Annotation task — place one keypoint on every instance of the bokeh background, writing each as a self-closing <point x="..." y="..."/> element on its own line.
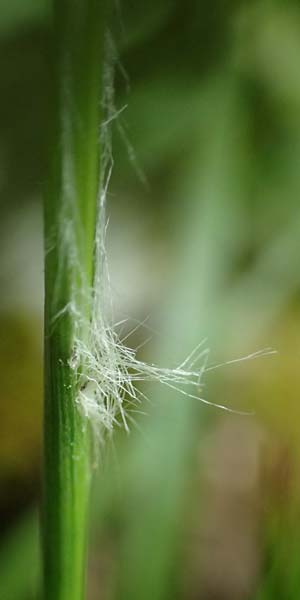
<point x="203" y="242"/>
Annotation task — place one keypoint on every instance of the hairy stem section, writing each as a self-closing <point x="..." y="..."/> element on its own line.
<point x="71" y="202"/>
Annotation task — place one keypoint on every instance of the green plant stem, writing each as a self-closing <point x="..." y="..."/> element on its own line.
<point x="70" y="221"/>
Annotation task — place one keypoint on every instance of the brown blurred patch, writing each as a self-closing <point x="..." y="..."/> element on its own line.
<point x="20" y="413"/>
<point x="223" y="556"/>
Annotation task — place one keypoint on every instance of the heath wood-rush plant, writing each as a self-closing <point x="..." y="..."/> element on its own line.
<point x="91" y="377"/>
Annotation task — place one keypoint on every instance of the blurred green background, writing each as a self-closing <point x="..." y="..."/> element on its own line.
<point x="203" y="242"/>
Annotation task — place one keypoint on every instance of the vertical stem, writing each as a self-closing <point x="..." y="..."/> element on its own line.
<point x="70" y="215"/>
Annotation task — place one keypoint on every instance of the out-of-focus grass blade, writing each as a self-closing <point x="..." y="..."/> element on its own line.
<point x="281" y="573"/>
<point x="20" y="561"/>
<point x="17" y="15"/>
<point x="162" y="458"/>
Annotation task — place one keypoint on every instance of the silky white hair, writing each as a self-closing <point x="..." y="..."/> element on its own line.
<point x="107" y="372"/>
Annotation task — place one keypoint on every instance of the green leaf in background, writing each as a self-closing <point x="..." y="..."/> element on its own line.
<point x="20" y="567"/>
<point x="19" y="15"/>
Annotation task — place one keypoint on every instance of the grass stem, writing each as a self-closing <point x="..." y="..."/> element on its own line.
<point x="71" y="202"/>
